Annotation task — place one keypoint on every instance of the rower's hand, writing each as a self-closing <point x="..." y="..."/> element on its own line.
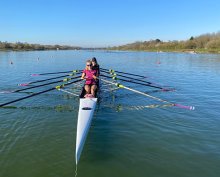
<point x="84" y="78"/>
<point x="94" y="77"/>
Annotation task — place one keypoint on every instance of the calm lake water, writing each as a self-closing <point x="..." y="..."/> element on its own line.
<point x="37" y="135"/>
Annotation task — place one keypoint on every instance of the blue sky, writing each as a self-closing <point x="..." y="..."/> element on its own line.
<point x="97" y="23"/>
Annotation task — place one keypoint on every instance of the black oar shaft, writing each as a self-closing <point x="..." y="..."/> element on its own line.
<point x="130" y="77"/>
<point x="55" y="73"/>
<point x="43" y="85"/>
<point x="60" y="72"/>
<point x="49" y="79"/>
<point x="19" y="99"/>
<point x="34" y="94"/>
<point x="134" y="82"/>
<point x="123" y="73"/>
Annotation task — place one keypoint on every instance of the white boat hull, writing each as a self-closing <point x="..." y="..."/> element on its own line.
<point x="86" y="111"/>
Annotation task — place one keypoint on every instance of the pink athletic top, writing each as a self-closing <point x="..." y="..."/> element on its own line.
<point x="89" y="79"/>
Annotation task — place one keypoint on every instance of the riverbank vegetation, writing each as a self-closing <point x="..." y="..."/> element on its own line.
<point x="25" y="46"/>
<point x="206" y="43"/>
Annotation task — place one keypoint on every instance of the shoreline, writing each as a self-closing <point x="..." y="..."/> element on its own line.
<point x="171" y="51"/>
<point x="109" y="50"/>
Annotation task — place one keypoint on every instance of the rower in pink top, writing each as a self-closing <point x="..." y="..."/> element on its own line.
<point x="91" y="79"/>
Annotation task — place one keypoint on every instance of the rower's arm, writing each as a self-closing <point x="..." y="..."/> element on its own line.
<point x="96" y="76"/>
<point x="83" y="75"/>
<point x="98" y="73"/>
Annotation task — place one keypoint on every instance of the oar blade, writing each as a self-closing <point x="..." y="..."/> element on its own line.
<point x="185" y="107"/>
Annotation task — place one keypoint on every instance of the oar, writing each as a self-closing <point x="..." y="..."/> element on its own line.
<point x="112" y="71"/>
<point x="64" y="80"/>
<point x="147" y="95"/>
<point x="74" y="71"/>
<point x="131" y="81"/>
<point x="26" y="84"/>
<point x="34" y="94"/>
<point x="115" y="75"/>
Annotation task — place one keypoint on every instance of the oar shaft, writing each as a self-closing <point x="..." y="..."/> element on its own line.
<point x="36" y="86"/>
<point x="142" y="93"/>
<point x="130" y="77"/>
<point x="155" y="98"/>
<point x="19" y="99"/>
<point x="158" y="99"/>
<point x="136" y="91"/>
<point x="131" y="81"/>
<point x="74" y="71"/>
<point x="55" y="73"/>
<point x="48" y="79"/>
<point x="34" y="94"/>
<point x="62" y="90"/>
<point x="38" y="81"/>
<point x="123" y="72"/>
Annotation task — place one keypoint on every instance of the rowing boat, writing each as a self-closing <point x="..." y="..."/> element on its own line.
<point x="86" y="111"/>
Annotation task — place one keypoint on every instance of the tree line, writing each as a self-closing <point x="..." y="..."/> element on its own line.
<point x="209" y="42"/>
<point x="26" y="46"/>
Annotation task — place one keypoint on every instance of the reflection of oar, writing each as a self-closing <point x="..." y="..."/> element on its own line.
<point x="112" y="71"/>
<point x="26" y="84"/>
<point x="64" y="80"/>
<point x="147" y="95"/>
<point x="55" y="73"/>
<point x="53" y="88"/>
<point x="133" y="81"/>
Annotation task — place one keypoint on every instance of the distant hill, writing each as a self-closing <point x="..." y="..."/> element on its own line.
<point x="25" y="46"/>
<point x="207" y="43"/>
